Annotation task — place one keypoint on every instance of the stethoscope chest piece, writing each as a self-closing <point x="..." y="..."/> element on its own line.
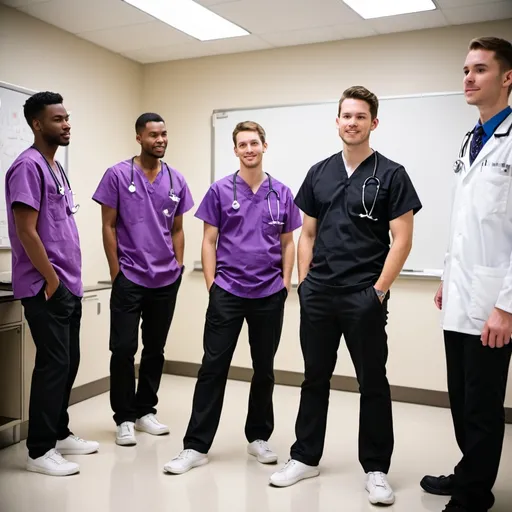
<point x="235" y="205"/>
<point x="61" y="191"/>
<point x="132" y="188"/>
<point x="458" y="166"/>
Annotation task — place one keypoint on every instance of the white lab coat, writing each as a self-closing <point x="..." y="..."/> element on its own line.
<point x="478" y="265"/>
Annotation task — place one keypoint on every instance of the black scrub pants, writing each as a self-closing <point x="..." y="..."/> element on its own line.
<point x="477" y="382"/>
<point x="361" y="318"/>
<point x="129" y="302"/>
<point x="224" y="319"/>
<point x="55" y="328"/>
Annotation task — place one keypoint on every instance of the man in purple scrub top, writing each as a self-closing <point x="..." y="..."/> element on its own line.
<point x="142" y="202"/>
<point x="46" y="276"/>
<point x="248" y="255"/>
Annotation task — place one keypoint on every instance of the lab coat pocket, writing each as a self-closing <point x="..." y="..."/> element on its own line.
<point x="493" y="193"/>
<point x="485" y="288"/>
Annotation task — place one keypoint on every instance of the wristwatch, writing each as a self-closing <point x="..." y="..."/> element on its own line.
<point x="380" y="294"/>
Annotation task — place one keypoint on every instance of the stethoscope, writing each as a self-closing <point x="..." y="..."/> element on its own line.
<point x="459" y="164"/>
<point x="61" y="189"/>
<point x="236" y="205"/>
<point x="172" y="196"/>
<point x="373" y="178"/>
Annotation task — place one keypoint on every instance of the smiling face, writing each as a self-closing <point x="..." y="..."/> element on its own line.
<point x="485" y="82"/>
<point x="355" y="122"/>
<point x="153" y="139"/>
<point x="249" y="149"/>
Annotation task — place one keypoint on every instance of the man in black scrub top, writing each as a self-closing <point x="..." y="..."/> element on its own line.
<point x="351" y="201"/>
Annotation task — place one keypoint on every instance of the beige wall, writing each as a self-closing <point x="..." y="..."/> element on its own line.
<point x="103" y="92"/>
<point x="186" y="93"/>
<point x="106" y="92"/>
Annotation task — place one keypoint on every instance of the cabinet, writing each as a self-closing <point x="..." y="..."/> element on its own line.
<point x="11" y="358"/>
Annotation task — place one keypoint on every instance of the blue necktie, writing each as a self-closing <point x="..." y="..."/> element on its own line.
<point x="476" y="143"/>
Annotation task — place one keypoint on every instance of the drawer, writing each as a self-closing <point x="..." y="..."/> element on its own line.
<point x="10" y="312"/>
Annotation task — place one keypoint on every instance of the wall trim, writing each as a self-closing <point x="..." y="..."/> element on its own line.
<point x="404" y="394"/>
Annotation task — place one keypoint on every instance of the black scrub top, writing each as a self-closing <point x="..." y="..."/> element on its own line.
<point x="350" y="251"/>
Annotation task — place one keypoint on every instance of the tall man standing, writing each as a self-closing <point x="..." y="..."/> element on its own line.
<point x="351" y="201"/>
<point x="143" y="201"/>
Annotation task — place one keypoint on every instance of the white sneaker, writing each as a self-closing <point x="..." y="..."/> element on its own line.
<point x="185" y="461"/>
<point x="262" y="452"/>
<point x="380" y="491"/>
<point x="125" y="435"/>
<point x="151" y="425"/>
<point x="292" y="472"/>
<point x="52" y="463"/>
<point x="74" y="445"/>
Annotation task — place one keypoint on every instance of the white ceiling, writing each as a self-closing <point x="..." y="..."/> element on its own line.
<point x="123" y="29"/>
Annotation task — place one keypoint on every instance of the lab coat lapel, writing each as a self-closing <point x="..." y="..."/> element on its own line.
<point x="491" y="145"/>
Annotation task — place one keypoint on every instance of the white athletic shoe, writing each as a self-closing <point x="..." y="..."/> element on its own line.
<point x="74" y="445"/>
<point x="262" y="452"/>
<point x="125" y="435"/>
<point x="380" y="492"/>
<point x="151" y="425"/>
<point x="292" y="472"/>
<point x="185" y="461"/>
<point x="52" y="463"/>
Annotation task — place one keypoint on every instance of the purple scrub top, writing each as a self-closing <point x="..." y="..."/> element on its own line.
<point x="144" y="221"/>
<point x="30" y="181"/>
<point x="249" y="258"/>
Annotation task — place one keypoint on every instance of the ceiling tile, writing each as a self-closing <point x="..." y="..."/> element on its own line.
<point x="447" y="4"/>
<point x="198" y="49"/>
<point x="273" y="16"/>
<point x="406" y="22"/>
<point x="85" y="15"/>
<point x="208" y="3"/>
<point x="478" y="13"/>
<point x="318" y="35"/>
<point x="135" y="37"/>
<point x="21" y="3"/>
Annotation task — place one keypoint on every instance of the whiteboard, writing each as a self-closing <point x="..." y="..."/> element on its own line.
<point x="421" y="132"/>
<point x="15" y="137"/>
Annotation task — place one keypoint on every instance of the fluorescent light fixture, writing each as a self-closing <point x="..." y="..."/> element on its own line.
<point x="190" y="17"/>
<point x="381" y="8"/>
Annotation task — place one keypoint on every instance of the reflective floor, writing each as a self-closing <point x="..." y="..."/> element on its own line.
<point x="125" y="479"/>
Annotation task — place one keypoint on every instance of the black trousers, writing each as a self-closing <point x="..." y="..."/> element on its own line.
<point x="129" y="302"/>
<point x="224" y="320"/>
<point x="477" y="381"/>
<point x="361" y="319"/>
<point x="55" y="328"/>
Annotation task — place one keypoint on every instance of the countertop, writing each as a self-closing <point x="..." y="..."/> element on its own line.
<point x="7" y="295"/>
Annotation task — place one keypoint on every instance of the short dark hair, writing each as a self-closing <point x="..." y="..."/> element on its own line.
<point x="38" y="102"/>
<point x="144" y="119"/>
<point x="502" y="51"/>
<point x="249" y="126"/>
<point x="358" y="92"/>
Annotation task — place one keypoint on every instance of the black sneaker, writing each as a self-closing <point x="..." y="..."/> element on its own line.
<point x="440" y="485"/>
<point x="454" y="506"/>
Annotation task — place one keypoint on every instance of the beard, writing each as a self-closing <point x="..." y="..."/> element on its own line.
<point x="55" y="140"/>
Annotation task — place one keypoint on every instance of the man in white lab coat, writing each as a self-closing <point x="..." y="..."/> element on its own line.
<point x="476" y="293"/>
